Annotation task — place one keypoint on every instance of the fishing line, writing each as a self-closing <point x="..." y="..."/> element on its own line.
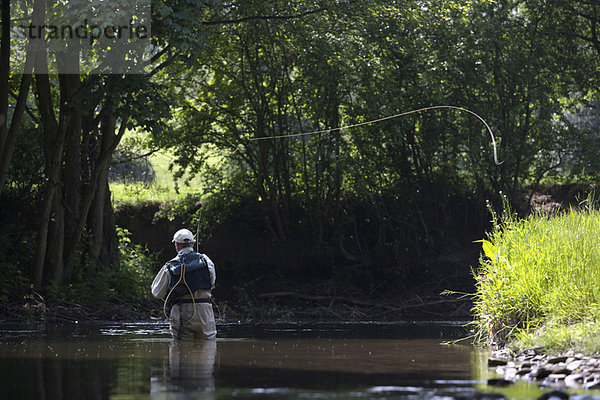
<point x="198" y="251"/>
<point x="389" y="118"/>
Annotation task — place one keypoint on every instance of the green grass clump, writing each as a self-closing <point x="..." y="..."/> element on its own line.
<point x="539" y="281"/>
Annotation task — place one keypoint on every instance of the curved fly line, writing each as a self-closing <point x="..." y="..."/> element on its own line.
<point x="374" y="121"/>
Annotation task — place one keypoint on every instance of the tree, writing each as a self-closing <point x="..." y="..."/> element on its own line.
<point x="83" y="116"/>
<point x="8" y="134"/>
<point x="247" y="88"/>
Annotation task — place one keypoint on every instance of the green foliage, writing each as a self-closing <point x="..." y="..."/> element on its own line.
<point x="14" y="283"/>
<point x="127" y="282"/>
<point x="235" y="73"/>
<point x="211" y="211"/>
<point x="539" y="277"/>
<point x="134" y="272"/>
<point x="180" y="209"/>
<point x="262" y="77"/>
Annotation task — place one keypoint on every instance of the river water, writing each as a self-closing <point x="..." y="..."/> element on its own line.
<point x="408" y="360"/>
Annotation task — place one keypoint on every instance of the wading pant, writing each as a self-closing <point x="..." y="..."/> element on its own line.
<point x="187" y="324"/>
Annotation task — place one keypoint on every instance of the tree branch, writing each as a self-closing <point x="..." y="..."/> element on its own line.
<point x="163" y="64"/>
<point x="28" y="110"/>
<point x="264" y="17"/>
<point x="129" y="159"/>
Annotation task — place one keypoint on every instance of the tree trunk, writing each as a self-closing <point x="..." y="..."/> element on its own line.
<point x="103" y="236"/>
<point x="8" y="136"/>
<point x="53" y="148"/>
<point x="109" y="253"/>
<point x="51" y="234"/>
<point x="110" y="140"/>
<point x="96" y="220"/>
<point x="53" y="153"/>
<point x="54" y="262"/>
<point x="73" y="176"/>
<point x="7" y="151"/>
<point x="72" y="171"/>
<point x="336" y="138"/>
<point x="42" y="235"/>
<point x="4" y="71"/>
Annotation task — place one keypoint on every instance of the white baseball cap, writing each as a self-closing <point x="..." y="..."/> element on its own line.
<point x="183" y="236"/>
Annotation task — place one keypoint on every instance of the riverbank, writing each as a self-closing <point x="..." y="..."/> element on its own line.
<point x="566" y="370"/>
<point x="55" y="313"/>
<point x="538" y="299"/>
<point x="538" y="284"/>
<point x="269" y="308"/>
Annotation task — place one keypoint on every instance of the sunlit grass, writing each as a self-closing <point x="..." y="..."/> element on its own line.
<point x="163" y="188"/>
<point x="539" y="282"/>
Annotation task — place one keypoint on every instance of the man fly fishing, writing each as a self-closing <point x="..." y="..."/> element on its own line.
<point x="185" y="284"/>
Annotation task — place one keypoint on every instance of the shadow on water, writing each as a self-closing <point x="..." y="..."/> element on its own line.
<point x="248" y="361"/>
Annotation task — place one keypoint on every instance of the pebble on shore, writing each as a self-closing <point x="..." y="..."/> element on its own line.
<point x="570" y="370"/>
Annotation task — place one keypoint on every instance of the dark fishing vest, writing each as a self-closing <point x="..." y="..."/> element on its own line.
<point x="197" y="275"/>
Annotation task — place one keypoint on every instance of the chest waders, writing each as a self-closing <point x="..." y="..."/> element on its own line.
<point x="184" y="282"/>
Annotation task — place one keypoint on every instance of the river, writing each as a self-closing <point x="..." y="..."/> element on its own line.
<point x="408" y="360"/>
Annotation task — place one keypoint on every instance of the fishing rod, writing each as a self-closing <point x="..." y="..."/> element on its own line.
<point x="198" y="251"/>
<point x="198" y="226"/>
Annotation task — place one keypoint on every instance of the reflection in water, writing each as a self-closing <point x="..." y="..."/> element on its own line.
<point x="340" y="362"/>
<point x="140" y="361"/>
<point x="190" y="369"/>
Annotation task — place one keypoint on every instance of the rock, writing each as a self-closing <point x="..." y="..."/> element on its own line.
<point x="540" y="373"/>
<point x="557" y="377"/>
<point x="574" y="380"/>
<point x="557" y="359"/>
<point x="554" y="395"/>
<point x="478" y="396"/>
<point x="510" y="373"/>
<point x="559" y="369"/>
<point x="491" y="396"/>
<point x="594" y="385"/>
<point x="576" y="364"/>
<point x="583" y="397"/>
<point x="523" y="371"/>
<point x="496" y="362"/>
<point x="553" y="383"/>
<point x="499" y="382"/>
<point x="526" y="365"/>
<point x="571" y="370"/>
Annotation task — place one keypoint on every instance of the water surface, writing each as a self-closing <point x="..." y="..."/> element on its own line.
<point x="293" y="361"/>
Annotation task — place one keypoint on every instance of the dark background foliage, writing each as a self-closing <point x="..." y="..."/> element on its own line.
<point x="383" y="210"/>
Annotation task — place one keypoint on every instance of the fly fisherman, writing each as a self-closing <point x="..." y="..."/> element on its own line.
<point x="187" y="297"/>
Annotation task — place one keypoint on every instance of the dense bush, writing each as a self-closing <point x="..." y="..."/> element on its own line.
<point x="126" y="282"/>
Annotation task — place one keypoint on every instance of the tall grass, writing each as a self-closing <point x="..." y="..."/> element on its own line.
<point x="538" y="282"/>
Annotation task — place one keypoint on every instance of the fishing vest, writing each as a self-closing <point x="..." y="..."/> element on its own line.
<point x="197" y="275"/>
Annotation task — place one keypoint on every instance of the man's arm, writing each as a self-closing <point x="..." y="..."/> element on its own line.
<point x="211" y="270"/>
<point x="161" y="283"/>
